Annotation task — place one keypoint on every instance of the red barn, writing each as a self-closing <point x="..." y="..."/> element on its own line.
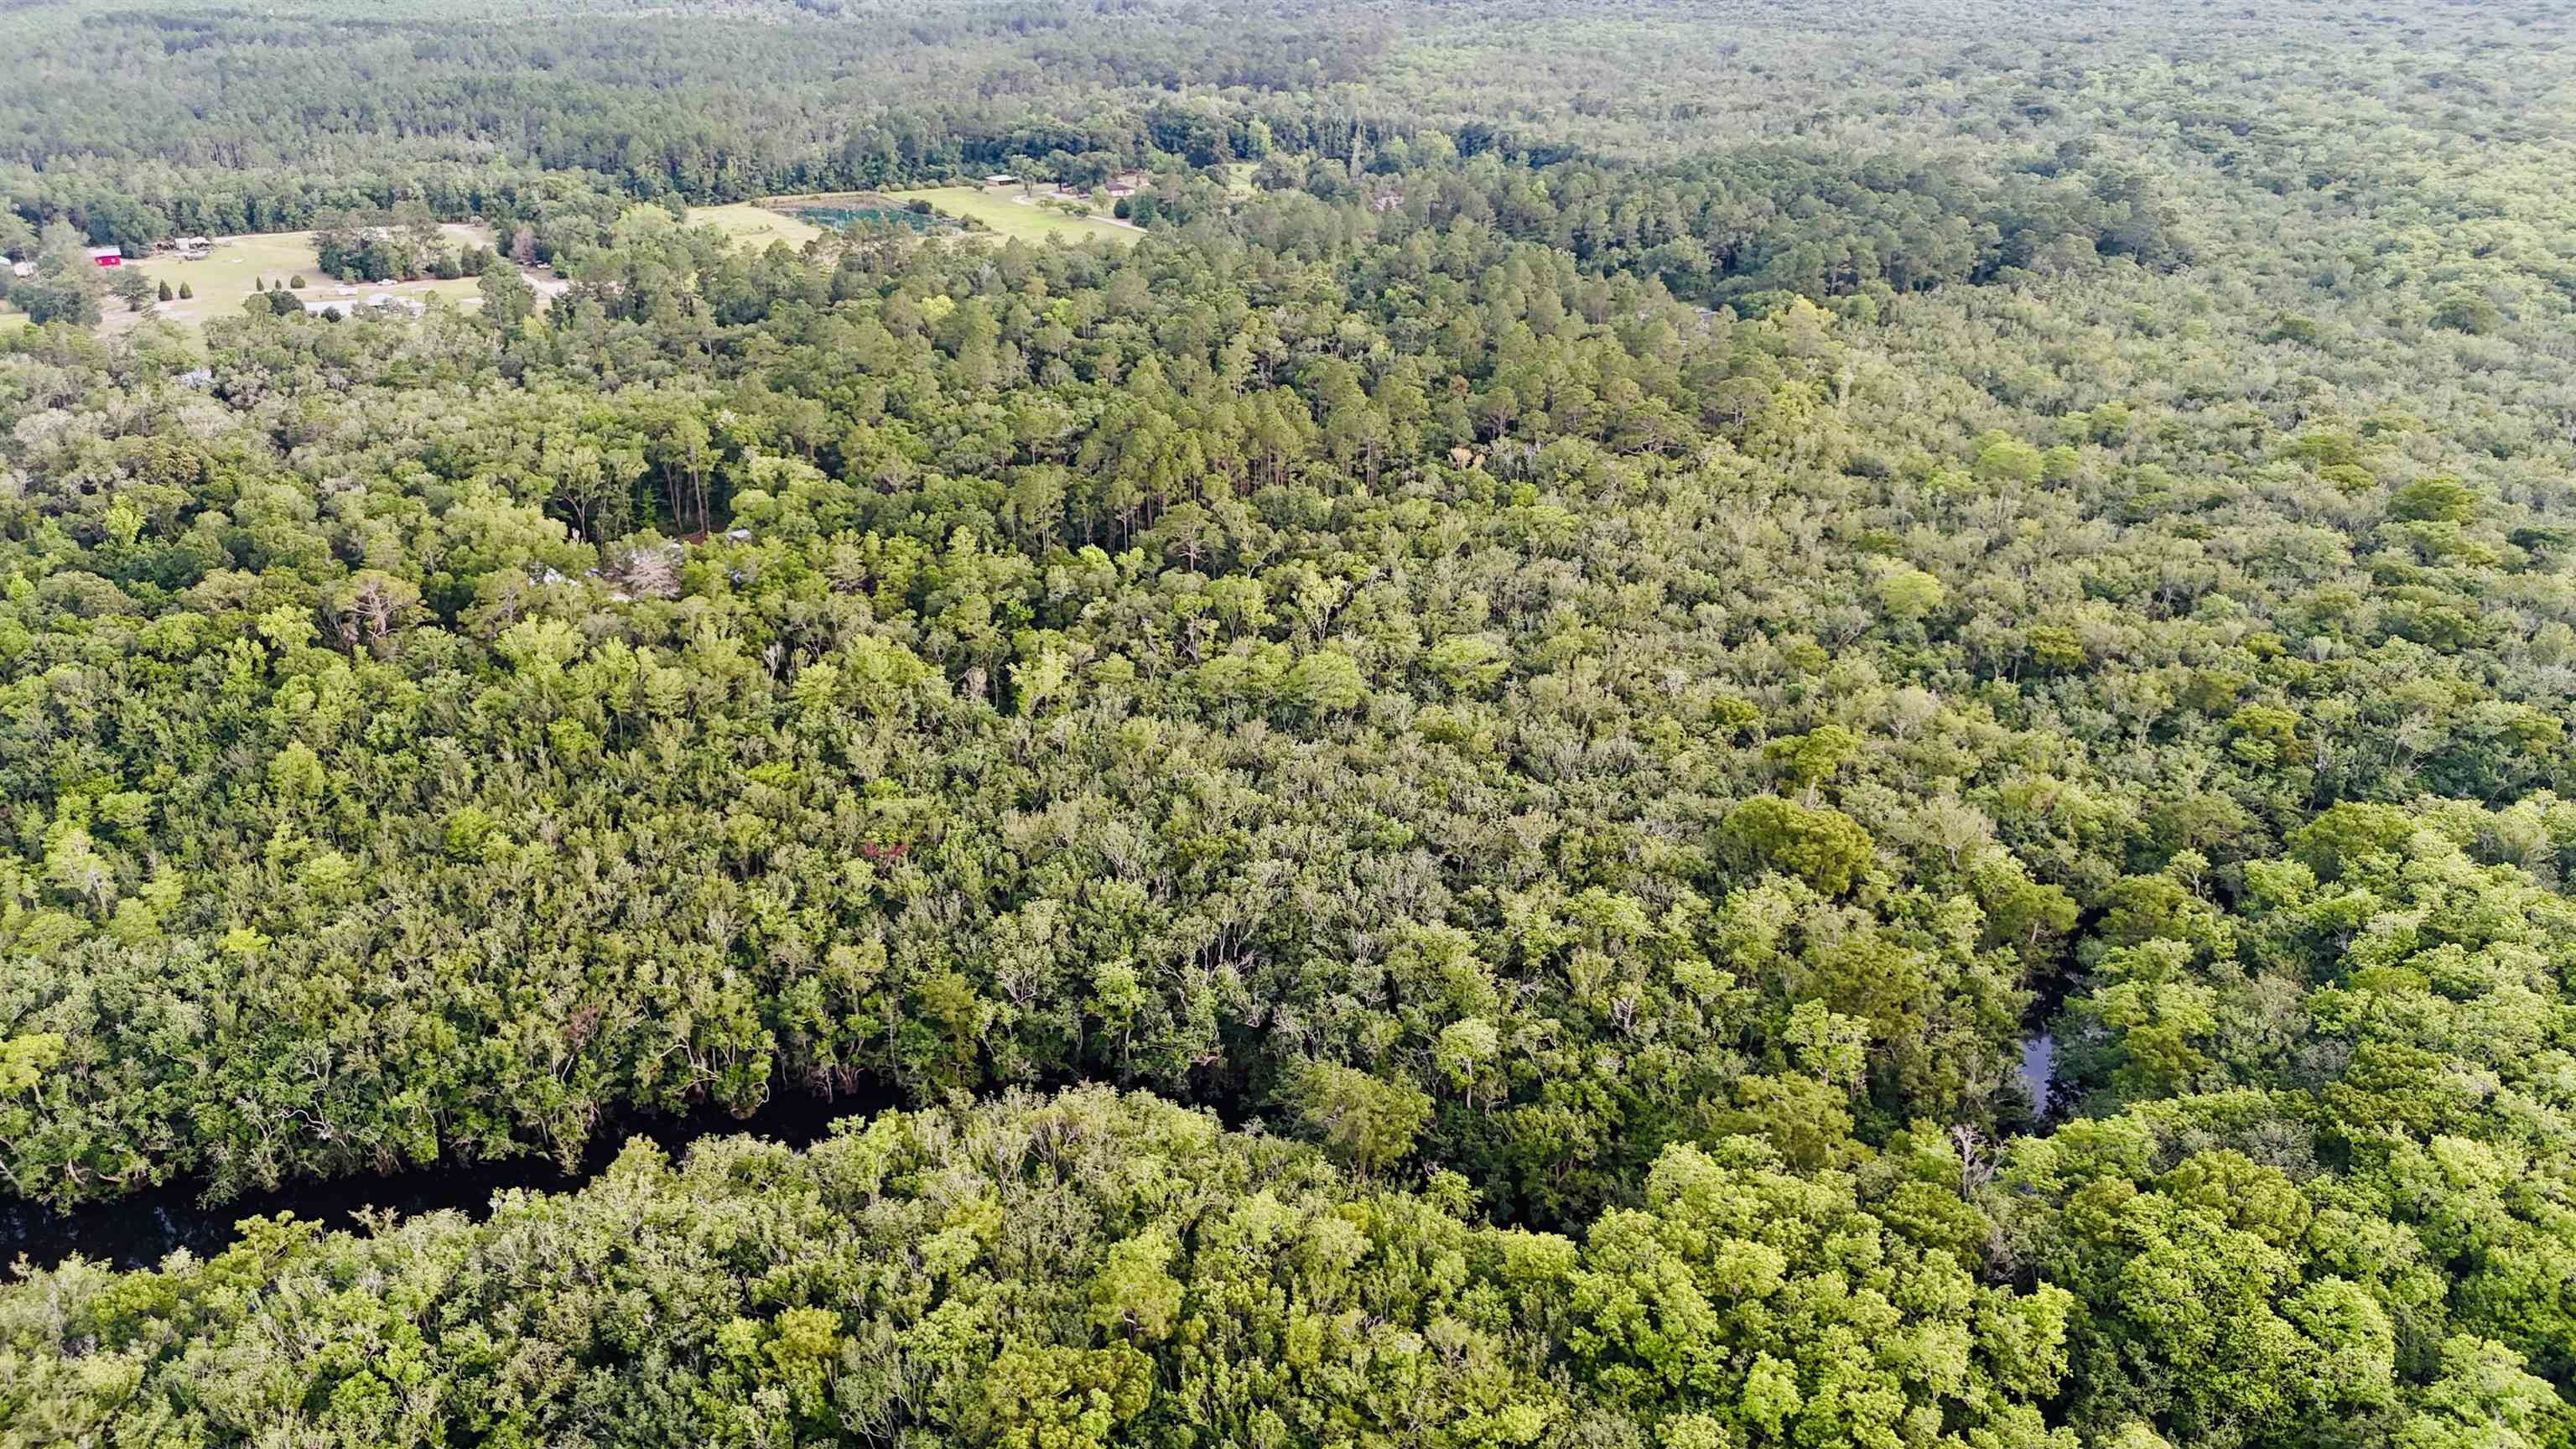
<point x="107" y="256"/>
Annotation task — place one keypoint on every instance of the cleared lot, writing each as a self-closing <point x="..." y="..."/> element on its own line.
<point x="224" y="278"/>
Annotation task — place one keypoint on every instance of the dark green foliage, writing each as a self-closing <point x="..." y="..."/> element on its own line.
<point x="1825" y="848"/>
<point x="63" y="297"/>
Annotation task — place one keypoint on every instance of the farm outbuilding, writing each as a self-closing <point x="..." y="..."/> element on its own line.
<point x="107" y="256"/>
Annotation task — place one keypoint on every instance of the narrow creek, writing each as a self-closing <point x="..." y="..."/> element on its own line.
<point x="139" y="1230"/>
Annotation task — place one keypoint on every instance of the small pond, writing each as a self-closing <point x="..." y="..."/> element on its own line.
<point x="834" y="216"/>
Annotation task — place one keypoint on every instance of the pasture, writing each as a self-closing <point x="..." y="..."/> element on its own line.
<point x="754" y="225"/>
<point x="223" y="279"/>
<point x="1000" y="208"/>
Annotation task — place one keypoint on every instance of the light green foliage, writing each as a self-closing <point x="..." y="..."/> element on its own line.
<point x="1824" y="848"/>
<point x="2009" y="460"/>
<point x="2434" y="500"/>
<point x="1909" y="593"/>
<point x="1368" y="1124"/>
<point x="1742" y="1301"/>
<point x="23" y="1060"/>
<point x="1085" y="1270"/>
<point x="1810" y="759"/>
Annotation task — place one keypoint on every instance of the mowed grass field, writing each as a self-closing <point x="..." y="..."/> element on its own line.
<point x="1000" y="208"/>
<point x="222" y="280"/>
<point x="753" y="225"/>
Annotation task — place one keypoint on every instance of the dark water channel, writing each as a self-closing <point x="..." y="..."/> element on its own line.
<point x="138" y="1231"/>
<point x="2039" y="1069"/>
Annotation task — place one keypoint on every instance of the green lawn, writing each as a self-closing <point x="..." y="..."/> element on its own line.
<point x="753" y="225"/>
<point x="222" y="280"/>
<point x="1000" y="208"/>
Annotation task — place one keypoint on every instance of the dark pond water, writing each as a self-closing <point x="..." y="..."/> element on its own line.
<point x="140" y="1230"/>
<point x="835" y="217"/>
<point x="2038" y="1067"/>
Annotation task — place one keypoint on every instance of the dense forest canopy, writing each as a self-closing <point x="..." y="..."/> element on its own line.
<point x="1456" y="784"/>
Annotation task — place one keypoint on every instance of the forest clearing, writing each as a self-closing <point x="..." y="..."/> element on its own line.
<point x="794" y="219"/>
